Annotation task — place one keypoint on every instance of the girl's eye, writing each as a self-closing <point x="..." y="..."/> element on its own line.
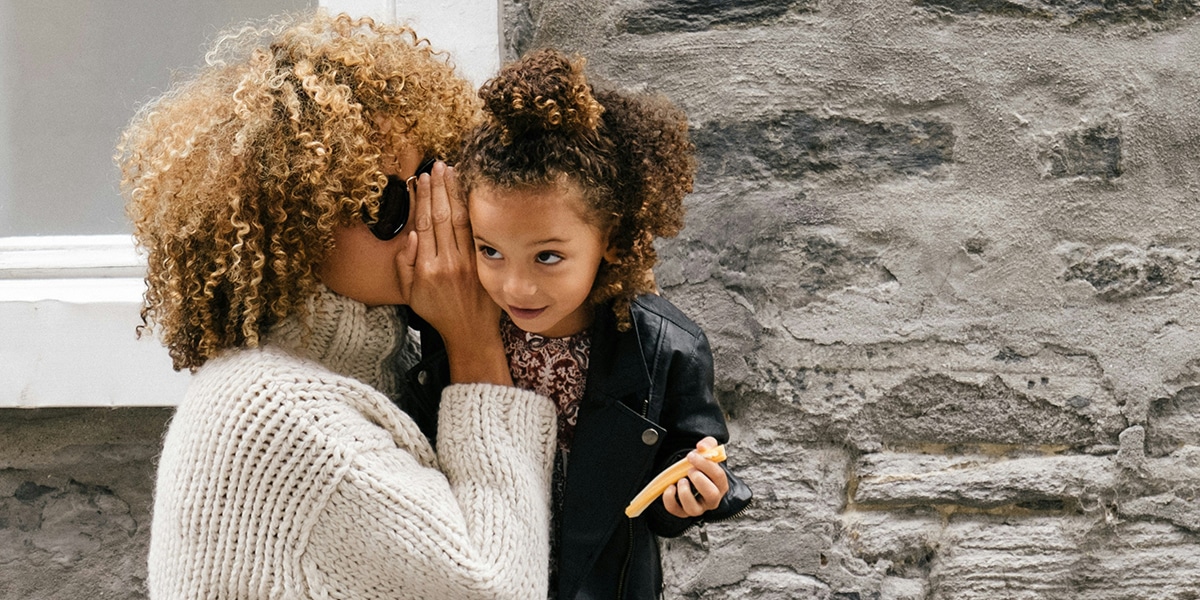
<point x="490" y="252"/>
<point x="548" y="258"/>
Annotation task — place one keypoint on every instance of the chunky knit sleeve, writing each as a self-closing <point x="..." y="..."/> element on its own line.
<point x="477" y="528"/>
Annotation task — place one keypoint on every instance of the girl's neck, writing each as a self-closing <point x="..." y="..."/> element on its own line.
<point x="507" y="321"/>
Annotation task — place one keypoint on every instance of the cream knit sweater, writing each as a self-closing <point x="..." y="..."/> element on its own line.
<point x="286" y="473"/>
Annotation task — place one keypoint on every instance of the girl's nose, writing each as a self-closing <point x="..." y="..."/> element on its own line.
<point x="519" y="286"/>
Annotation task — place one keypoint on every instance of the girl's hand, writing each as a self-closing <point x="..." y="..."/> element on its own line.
<point x="438" y="269"/>
<point x="703" y="488"/>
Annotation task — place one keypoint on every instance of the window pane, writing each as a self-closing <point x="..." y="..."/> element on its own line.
<point x="72" y="73"/>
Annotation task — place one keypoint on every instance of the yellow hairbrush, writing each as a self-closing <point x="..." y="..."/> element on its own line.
<point x="667" y="478"/>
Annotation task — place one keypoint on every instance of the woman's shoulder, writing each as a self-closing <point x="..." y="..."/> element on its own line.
<point x="297" y="395"/>
<point x="267" y="370"/>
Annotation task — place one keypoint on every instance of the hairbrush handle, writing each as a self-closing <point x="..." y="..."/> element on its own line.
<point x="667" y="478"/>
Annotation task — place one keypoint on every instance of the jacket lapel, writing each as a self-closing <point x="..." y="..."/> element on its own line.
<point x="616" y="366"/>
<point x="608" y="457"/>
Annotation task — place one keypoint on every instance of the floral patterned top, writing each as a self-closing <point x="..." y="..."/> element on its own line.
<point x="553" y="367"/>
<point x="556" y="368"/>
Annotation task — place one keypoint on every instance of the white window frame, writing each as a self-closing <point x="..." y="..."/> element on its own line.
<point x="69" y="305"/>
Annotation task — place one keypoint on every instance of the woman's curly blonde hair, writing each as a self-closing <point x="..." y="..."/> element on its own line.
<point x="236" y="179"/>
<point x="629" y="153"/>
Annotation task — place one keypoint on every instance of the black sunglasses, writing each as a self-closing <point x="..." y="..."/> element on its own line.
<point x="394" y="204"/>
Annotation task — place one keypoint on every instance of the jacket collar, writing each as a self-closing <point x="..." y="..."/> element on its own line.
<point x="617" y="366"/>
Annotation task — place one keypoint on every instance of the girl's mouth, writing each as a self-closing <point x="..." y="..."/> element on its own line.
<point x="525" y="313"/>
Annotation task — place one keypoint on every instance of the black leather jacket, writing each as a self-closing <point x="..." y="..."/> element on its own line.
<point x="648" y="400"/>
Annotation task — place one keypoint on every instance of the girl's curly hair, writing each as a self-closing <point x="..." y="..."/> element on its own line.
<point x="629" y="153"/>
<point x="236" y="178"/>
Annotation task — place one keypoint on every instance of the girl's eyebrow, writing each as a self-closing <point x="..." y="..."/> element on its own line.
<point x="553" y="240"/>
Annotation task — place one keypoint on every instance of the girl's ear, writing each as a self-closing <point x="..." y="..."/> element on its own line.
<point x="610" y="255"/>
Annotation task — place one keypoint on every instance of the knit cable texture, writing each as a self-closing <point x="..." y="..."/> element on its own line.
<point x="283" y="477"/>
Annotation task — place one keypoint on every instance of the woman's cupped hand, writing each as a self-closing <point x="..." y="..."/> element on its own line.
<point x="437" y="268"/>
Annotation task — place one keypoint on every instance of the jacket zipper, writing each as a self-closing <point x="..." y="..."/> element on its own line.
<point x="628" y="559"/>
<point x="734" y="515"/>
<point x="629" y="547"/>
<point x="701" y="523"/>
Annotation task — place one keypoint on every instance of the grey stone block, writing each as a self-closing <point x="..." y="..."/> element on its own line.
<point x="906" y="538"/>
<point x="1101" y="11"/>
<point x="794" y="145"/>
<point x="899" y="588"/>
<point x="1177" y="473"/>
<point x="518" y="28"/>
<point x="941" y="409"/>
<point x="1123" y="271"/>
<point x="773" y="583"/>
<point x="1167" y="507"/>
<point x="748" y="254"/>
<point x="1132" y="451"/>
<point x="75" y="498"/>
<point x="1174" y="422"/>
<point x="1006" y="558"/>
<point x="660" y="16"/>
<point x="1089" y="152"/>
<point x="1054" y="483"/>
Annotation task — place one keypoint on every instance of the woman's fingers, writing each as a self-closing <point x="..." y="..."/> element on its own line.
<point x="459" y="217"/>
<point x="441" y="211"/>
<point x="423" y="218"/>
<point x="406" y="266"/>
<point x="442" y="224"/>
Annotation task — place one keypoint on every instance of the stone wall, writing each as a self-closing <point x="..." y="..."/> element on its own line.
<point x="75" y="498"/>
<point x="945" y="253"/>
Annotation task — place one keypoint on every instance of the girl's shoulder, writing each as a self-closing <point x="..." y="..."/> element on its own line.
<point x="649" y="309"/>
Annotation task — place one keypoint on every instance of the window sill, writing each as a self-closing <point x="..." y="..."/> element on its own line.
<point x="69" y="308"/>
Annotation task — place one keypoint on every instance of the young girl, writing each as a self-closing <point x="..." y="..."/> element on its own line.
<point x="568" y="186"/>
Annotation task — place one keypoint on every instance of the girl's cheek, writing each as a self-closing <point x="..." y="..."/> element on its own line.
<point x="487" y="275"/>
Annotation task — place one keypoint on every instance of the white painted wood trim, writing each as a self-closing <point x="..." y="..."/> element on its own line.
<point x="54" y="257"/>
<point x="470" y="30"/>
<point x="69" y="309"/>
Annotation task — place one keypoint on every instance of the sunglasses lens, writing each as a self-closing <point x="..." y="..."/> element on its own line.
<point x="393" y="209"/>
<point x="425" y="167"/>
<point x="394" y="204"/>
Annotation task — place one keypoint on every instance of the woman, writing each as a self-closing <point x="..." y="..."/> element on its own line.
<point x="271" y="193"/>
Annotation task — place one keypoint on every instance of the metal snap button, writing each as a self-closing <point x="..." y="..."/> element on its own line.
<point x="649" y="437"/>
<point x="422" y="377"/>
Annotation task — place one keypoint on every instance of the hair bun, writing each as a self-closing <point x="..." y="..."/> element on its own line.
<point x="544" y="91"/>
